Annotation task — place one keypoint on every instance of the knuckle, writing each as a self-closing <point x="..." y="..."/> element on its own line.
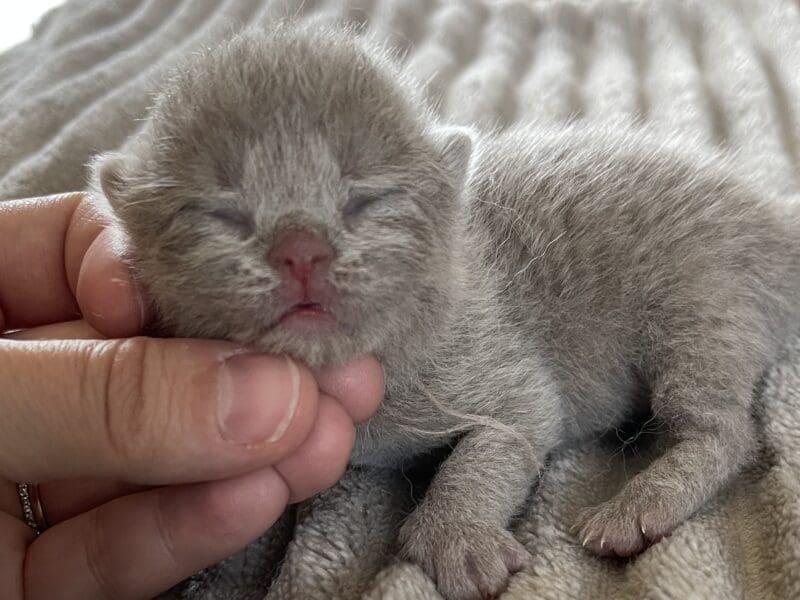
<point x="134" y="418"/>
<point x="164" y="531"/>
<point x="97" y="557"/>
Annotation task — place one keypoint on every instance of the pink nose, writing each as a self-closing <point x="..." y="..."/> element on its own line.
<point x="301" y="255"/>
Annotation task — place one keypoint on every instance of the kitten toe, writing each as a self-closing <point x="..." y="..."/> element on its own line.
<point x="604" y="531"/>
<point x="467" y="561"/>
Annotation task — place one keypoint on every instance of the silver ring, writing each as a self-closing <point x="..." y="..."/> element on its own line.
<point x="32" y="509"/>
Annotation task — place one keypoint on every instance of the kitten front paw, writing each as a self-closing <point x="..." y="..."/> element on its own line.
<point x="468" y="561"/>
<point x="625" y="525"/>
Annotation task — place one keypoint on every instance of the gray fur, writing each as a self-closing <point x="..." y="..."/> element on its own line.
<point x="523" y="290"/>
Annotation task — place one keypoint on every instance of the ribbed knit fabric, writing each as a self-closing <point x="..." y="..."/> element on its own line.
<point x="726" y="71"/>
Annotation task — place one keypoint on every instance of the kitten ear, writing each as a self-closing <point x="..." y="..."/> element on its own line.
<point x="110" y="172"/>
<point x="455" y="145"/>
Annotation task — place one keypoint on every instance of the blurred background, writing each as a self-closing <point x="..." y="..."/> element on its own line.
<point x="15" y="26"/>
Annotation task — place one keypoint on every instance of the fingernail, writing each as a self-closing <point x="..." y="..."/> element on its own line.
<point x="258" y="396"/>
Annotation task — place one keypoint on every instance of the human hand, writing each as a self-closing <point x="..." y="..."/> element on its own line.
<point x="156" y="457"/>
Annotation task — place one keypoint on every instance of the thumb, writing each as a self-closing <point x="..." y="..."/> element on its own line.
<point x="146" y="410"/>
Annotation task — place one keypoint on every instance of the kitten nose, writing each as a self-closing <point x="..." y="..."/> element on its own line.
<point x="301" y="255"/>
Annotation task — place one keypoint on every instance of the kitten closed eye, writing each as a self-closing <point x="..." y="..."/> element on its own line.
<point x="357" y="203"/>
<point x="361" y="199"/>
<point x="233" y="218"/>
<point x="230" y="217"/>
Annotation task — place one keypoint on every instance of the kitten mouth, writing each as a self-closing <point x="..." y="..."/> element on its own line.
<point x="307" y="308"/>
<point x="306" y="317"/>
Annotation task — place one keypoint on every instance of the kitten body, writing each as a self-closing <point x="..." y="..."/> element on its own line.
<point x="522" y="289"/>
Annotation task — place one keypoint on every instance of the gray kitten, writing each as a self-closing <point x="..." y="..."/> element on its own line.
<point x="523" y="290"/>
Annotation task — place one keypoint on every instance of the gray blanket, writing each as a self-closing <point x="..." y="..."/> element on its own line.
<point x="724" y="71"/>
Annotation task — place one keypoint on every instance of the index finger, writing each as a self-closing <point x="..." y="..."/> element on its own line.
<point x="56" y="256"/>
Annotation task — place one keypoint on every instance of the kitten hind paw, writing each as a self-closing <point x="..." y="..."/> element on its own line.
<point x="467" y="561"/>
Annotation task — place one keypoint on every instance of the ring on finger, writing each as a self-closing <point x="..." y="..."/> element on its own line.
<point x="32" y="510"/>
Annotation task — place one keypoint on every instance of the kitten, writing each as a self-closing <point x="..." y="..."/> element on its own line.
<point x="291" y="191"/>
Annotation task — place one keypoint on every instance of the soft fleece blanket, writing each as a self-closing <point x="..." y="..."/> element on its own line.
<point x="726" y="71"/>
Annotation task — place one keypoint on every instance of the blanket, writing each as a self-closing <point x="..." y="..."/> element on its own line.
<point x="723" y="71"/>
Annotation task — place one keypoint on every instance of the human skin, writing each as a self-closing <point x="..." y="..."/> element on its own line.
<point x="156" y="457"/>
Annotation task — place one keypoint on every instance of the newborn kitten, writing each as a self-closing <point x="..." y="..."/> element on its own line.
<point x="290" y="191"/>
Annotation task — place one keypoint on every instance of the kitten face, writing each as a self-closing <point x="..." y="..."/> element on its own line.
<point x="267" y="151"/>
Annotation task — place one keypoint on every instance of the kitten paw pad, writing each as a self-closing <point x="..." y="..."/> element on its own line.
<point x="467" y="561"/>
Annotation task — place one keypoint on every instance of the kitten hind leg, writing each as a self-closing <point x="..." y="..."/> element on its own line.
<point x="713" y="432"/>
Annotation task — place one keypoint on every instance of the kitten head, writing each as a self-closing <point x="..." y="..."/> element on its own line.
<point x="290" y="191"/>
